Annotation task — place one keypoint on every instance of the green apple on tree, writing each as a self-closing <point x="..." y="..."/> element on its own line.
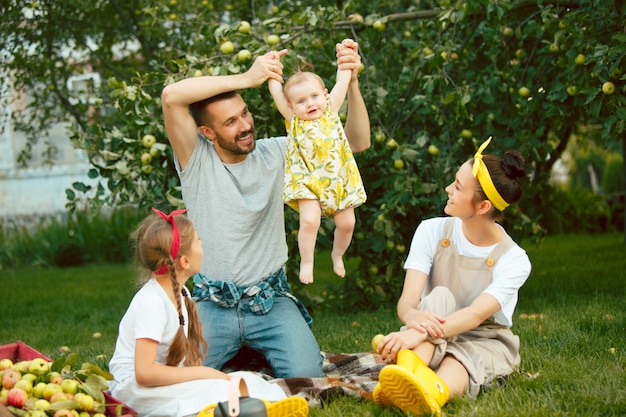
<point x="272" y="39"/>
<point x="608" y="88"/>
<point x="227" y="47"/>
<point x="524" y="92"/>
<point x="398" y="164"/>
<point x="572" y="90"/>
<point x="146" y="158"/>
<point x="433" y="150"/>
<point x="553" y="48"/>
<point x="391" y="143"/>
<point x="244" y="27"/>
<point x="466" y="134"/>
<point x="379" y="25"/>
<point x="244" y="55"/>
<point x="148" y="140"/>
<point x="580" y="59"/>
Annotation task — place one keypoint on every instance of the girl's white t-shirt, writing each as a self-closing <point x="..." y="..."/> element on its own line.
<point x="150" y="315"/>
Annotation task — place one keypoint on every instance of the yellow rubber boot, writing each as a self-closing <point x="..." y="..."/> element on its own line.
<point x="287" y="407"/>
<point x="412" y="386"/>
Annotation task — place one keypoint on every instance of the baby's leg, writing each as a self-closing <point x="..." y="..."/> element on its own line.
<point x="344" y="227"/>
<point x="310" y="218"/>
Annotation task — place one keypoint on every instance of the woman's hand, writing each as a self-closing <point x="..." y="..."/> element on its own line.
<point x="391" y="344"/>
<point x="429" y="323"/>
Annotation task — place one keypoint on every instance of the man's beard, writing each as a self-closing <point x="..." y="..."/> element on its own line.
<point x="233" y="147"/>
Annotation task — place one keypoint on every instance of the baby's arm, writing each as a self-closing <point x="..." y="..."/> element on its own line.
<point x="276" y="90"/>
<point x="339" y="91"/>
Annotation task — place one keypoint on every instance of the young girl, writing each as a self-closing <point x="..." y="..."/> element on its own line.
<point x="321" y="175"/>
<point x="157" y="363"/>
<point x="463" y="274"/>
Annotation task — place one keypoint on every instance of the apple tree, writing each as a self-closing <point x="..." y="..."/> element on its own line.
<point x="438" y="78"/>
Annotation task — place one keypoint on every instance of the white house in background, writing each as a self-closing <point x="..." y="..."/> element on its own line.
<point x="38" y="189"/>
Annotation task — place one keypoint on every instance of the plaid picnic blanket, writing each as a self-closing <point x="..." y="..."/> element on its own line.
<point x="354" y="375"/>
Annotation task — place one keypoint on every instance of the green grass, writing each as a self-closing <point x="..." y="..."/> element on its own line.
<point x="571" y="314"/>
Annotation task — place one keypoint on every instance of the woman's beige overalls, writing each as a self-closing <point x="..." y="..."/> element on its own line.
<point x="489" y="351"/>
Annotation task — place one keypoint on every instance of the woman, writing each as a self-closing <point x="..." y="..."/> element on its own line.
<point x="463" y="274"/>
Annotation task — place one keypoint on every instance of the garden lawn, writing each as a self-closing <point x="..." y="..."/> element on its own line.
<point x="571" y="318"/>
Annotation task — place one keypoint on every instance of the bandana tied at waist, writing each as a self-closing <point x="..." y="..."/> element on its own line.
<point x="259" y="297"/>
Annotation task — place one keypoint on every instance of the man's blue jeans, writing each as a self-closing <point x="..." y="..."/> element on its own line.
<point x="282" y="336"/>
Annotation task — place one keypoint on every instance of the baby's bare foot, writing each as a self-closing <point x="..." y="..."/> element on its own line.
<point x="338" y="266"/>
<point x="306" y="272"/>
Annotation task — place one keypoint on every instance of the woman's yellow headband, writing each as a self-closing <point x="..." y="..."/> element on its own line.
<point x="480" y="171"/>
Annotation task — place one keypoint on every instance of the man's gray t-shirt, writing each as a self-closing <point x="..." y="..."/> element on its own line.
<point x="238" y="210"/>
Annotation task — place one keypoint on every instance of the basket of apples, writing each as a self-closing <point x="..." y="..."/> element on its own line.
<point x="35" y="386"/>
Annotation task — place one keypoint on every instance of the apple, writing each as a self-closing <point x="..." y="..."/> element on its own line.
<point x="316" y="43"/>
<point x="84" y="414"/>
<point x="227" y="47"/>
<point x="42" y="404"/>
<point x="24" y="385"/>
<point x="244" y="27"/>
<point x="155" y="152"/>
<point x="37" y="413"/>
<point x="379" y="136"/>
<point x="146" y="158"/>
<point x="616" y="73"/>
<point x="272" y="39"/>
<point x="580" y="59"/>
<point x="17" y="397"/>
<point x="146" y="169"/>
<point x="198" y="73"/>
<point x="379" y="25"/>
<point x="173" y="16"/>
<point x="10" y="377"/>
<point x="30" y="377"/>
<point x="85" y="401"/>
<point x="376" y="341"/>
<point x="22" y="366"/>
<point x="355" y="17"/>
<point x="466" y="134"/>
<point x="572" y="90"/>
<point x="454" y="56"/>
<point x="98" y="335"/>
<point x="398" y="164"/>
<point x="401" y="248"/>
<point x="5" y="363"/>
<point x="391" y="143"/>
<point x="244" y="55"/>
<point x="553" y="48"/>
<point x="58" y="396"/>
<point x="148" y="140"/>
<point x="39" y="366"/>
<point x="51" y="389"/>
<point x="373" y="270"/>
<point x="407" y="34"/>
<point x="38" y="389"/>
<point x="507" y="31"/>
<point x="523" y="92"/>
<point x="562" y="24"/>
<point x="55" y="377"/>
<point x="427" y="51"/>
<point x="63" y="412"/>
<point x="433" y="150"/>
<point x="70" y="386"/>
<point x="608" y="88"/>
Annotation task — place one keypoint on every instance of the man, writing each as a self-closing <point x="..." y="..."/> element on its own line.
<point x="232" y="186"/>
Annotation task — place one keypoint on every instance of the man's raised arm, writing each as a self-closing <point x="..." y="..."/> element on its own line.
<point x="180" y="126"/>
<point x="357" y="126"/>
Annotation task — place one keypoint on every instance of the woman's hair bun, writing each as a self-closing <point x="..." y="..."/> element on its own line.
<point x="513" y="164"/>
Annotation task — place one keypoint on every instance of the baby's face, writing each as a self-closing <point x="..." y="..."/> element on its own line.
<point x="307" y="99"/>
